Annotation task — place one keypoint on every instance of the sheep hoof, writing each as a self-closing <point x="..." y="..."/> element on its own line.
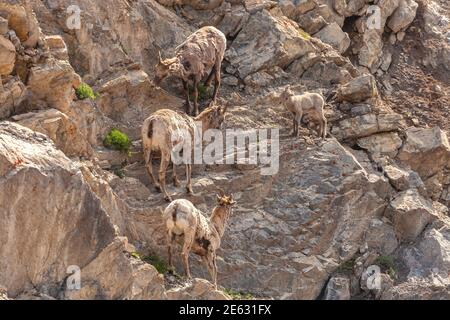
<point x="176" y="182"/>
<point x="168" y="198"/>
<point x="189" y="190"/>
<point x="158" y="188"/>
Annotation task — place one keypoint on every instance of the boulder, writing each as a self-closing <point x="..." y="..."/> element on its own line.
<point x="266" y="41"/>
<point x="333" y="35"/>
<point x="366" y="125"/>
<point x="338" y="288"/>
<point x="7" y="56"/>
<point x="58" y="127"/>
<point x="371" y="49"/>
<point x="295" y="8"/>
<point x="402" y="179"/>
<point x="3" y="26"/>
<point x="403" y="16"/>
<point x="57" y="47"/>
<point x="233" y="20"/>
<point x="53" y="83"/>
<point x="359" y="89"/>
<point x="410" y="213"/>
<point x="426" y="151"/>
<point x="386" y="143"/>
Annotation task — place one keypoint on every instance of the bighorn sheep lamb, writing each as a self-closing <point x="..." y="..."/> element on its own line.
<point x="202" y="235"/>
<point x="308" y="105"/>
<point x="202" y="50"/>
<point x="165" y="129"/>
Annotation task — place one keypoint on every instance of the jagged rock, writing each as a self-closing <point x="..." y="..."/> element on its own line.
<point x="58" y="127"/>
<point x="23" y="21"/>
<point x="311" y="22"/>
<point x="327" y="73"/>
<point x="57" y="47"/>
<point x="382" y="144"/>
<point x="3" y="26"/>
<point x="403" y="15"/>
<point x="199" y="289"/>
<point x="233" y="20"/>
<point x="338" y="288"/>
<point x="196" y="4"/>
<point x="426" y="151"/>
<point x="12" y="94"/>
<point x="53" y="83"/>
<point x="381" y="237"/>
<point x="35" y="251"/>
<point x="371" y="50"/>
<point x="266" y="41"/>
<point x="7" y="56"/>
<point x="295" y="8"/>
<point x="403" y="179"/>
<point x="253" y="6"/>
<point x="410" y="214"/>
<point x="366" y="125"/>
<point x="334" y="36"/>
<point x="359" y="89"/>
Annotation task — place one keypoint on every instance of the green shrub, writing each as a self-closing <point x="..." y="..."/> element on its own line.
<point x="204" y="93"/>
<point x="160" y="265"/>
<point x="84" y="91"/>
<point x="387" y="265"/>
<point x="136" y="255"/>
<point x="347" y="266"/>
<point x="117" y="140"/>
<point x="238" y="295"/>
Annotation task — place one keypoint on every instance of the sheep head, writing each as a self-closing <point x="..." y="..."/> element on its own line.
<point x="212" y="117"/>
<point x="286" y="94"/>
<point x="165" y="68"/>
<point x="225" y="201"/>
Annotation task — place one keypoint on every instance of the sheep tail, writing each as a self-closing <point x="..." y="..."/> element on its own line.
<point x="174" y="213"/>
<point x="150" y="129"/>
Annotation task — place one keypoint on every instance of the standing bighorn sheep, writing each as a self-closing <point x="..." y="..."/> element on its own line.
<point x="308" y="105"/>
<point x="202" y="235"/>
<point x="165" y="129"/>
<point x="202" y="50"/>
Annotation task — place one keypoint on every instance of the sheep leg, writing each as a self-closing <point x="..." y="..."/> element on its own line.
<point x="216" y="82"/>
<point x="170" y="240"/>
<point x="323" y="128"/>
<point x="188" y="103"/>
<point x="210" y="261"/>
<point x="210" y="77"/>
<point x="187" y="245"/>
<point x="176" y="182"/>
<point x="196" y="97"/>
<point x="149" y="167"/>
<point x="294" y="125"/>
<point x="188" y="179"/>
<point x="165" y="159"/>
<point x="298" y="120"/>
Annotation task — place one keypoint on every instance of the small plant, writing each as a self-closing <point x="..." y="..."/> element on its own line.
<point x="160" y="265"/>
<point x="120" y="172"/>
<point x="305" y="35"/>
<point x="117" y="140"/>
<point x="347" y="266"/>
<point x="84" y="91"/>
<point x="387" y="265"/>
<point x="136" y="255"/>
<point x="238" y="295"/>
<point x="204" y="93"/>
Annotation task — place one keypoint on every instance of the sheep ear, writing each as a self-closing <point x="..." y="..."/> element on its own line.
<point x="224" y="109"/>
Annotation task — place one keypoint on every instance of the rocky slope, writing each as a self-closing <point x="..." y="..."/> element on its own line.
<point x="375" y="192"/>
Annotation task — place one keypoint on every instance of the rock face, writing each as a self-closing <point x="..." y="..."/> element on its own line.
<point x="7" y="56"/>
<point x="76" y="229"/>
<point x="273" y="40"/>
<point x="338" y="288"/>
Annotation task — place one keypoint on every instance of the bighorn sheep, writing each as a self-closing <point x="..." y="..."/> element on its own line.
<point x="308" y="105"/>
<point x="202" y="50"/>
<point x="202" y="235"/>
<point x="165" y="129"/>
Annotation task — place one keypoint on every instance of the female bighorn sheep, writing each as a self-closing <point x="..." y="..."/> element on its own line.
<point x="202" y="50"/>
<point x="165" y="129"/>
<point x="308" y="105"/>
<point x="202" y="235"/>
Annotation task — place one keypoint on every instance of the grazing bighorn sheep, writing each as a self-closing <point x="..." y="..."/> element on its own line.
<point x="202" y="50"/>
<point x="202" y="235"/>
<point x="165" y="129"/>
<point x="308" y="105"/>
